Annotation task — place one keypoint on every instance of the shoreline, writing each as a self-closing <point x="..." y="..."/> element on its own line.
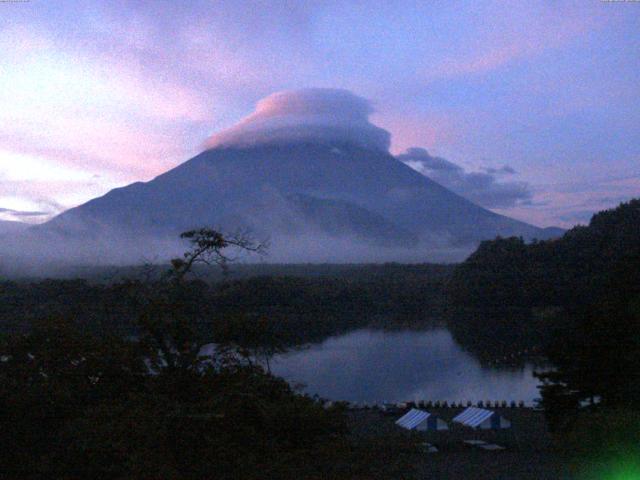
<point x="529" y="450"/>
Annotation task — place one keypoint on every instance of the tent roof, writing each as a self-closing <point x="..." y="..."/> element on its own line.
<point x="412" y="418"/>
<point x="473" y="416"/>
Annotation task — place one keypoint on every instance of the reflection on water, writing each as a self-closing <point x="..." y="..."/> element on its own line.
<point x="376" y="366"/>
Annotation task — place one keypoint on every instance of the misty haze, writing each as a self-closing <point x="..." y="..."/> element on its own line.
<point x="307" y="172"/>
<point x="319" y="240"/>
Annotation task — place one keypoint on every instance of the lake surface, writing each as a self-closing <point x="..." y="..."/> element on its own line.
<point x="379" y="366"/>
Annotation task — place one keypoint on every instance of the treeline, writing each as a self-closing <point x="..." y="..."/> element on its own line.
<point x="321" y="301"/>
<point x="504" y="297"/>
<point x="510" y="295"/>
<point x="79" y="399"/>
<point x="575" y="299"/>
<point x="79" y="405"/>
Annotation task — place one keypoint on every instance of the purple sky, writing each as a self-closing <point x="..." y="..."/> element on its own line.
<point x="537" y="97"/>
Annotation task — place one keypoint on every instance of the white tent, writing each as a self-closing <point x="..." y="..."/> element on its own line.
<point x="482" y="419"/>
<point x="420" y="420"/>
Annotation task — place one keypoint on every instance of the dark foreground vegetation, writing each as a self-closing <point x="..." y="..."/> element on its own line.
<point x="110" y="379"/>
<point x="577" y="301"/>
<point x="89" y="403"/>
<point x="79" y="406"/>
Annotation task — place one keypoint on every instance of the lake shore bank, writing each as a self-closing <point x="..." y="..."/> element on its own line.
<point x="529" y="451"/>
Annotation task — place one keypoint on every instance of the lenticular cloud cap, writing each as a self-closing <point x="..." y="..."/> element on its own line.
<point x="320" y="115"/>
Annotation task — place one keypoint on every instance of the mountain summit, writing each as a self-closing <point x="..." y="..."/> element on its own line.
<point x="308" y="171"/>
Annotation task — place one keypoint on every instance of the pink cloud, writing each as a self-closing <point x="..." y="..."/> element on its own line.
<point x="567" y="204"/>
<point x="324" y="114"/>
<point x="434" y="132"/>
<point x="47" y="73"/>
<point x="99" y="145"/>
<point x="502" y="40"/>
<point x="477" y="63"/>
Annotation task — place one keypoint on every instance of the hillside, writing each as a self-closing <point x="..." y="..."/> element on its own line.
<point x="510" y="297"/>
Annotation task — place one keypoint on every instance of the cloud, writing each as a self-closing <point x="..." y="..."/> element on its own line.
<point x="17" y="215"/>
<point x="21" y="213"/>
<point x="501" y="41"/>
<point x="313" y="114"/>
<point x="566" y="204"/>
<point x="106" y="90"/>
<point x="504" y="170"/>
<point x="483" y="188"/>
<point x="35" y="178"/>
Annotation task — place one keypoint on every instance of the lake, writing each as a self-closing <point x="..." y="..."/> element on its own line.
<point x="377" y="366"/>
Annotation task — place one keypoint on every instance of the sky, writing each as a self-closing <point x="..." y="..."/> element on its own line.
<point x="531" y="108"/>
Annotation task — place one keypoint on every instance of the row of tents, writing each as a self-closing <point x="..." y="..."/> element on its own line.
<point x="473" y="417"/>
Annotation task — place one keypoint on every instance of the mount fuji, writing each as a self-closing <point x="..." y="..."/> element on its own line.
<point x="308" y="172"/>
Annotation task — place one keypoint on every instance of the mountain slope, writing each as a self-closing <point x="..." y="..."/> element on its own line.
<point x="365" y="198"/>
<point x="7" y="227"/>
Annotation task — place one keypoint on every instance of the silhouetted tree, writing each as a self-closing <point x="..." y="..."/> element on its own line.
<point x="84" y="404"/>
<point x="577" y="297"/>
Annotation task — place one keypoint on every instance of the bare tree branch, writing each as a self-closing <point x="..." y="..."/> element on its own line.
<point x="207" y="247"/>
